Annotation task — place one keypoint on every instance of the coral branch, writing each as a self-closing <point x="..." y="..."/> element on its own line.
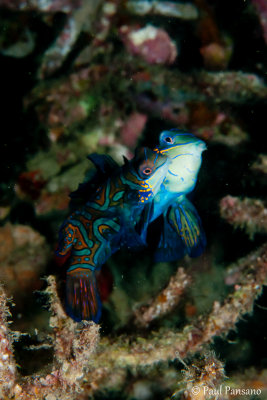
<point x="172" y="9"/>
<point x="165" y="344"/>
<point x="248" y="214"/>
<point x="166" y="301"/>
<point x="74" y="343"/>
<point x="77" y="364"/>
<point x="231" y="87"/>
<point x="7" y="362"/>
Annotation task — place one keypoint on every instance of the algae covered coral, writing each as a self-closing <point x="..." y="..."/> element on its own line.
<point x="93" y="76"/>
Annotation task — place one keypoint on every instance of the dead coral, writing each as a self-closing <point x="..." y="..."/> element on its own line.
<point x="249" y="214"/>
<point x="172" y="9"/>
<point x="202" y="378"/>
<point x="84" y="110"/>
<point x="79" y="20"/>
<point x="77" y="367"/>
<point x="7" y="362"/>
<point x="234" y="87"/>
<point x="166" y="301"/>
<point x="73" y="343"/>
<point x="24" y="254"/>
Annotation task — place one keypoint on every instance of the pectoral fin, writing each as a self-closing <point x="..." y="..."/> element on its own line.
<point x="82" y="297"/>
<point x="182" y="233"/>
<point x="145" y="218"/>
<point x="170" y="246"/>
<point x="185" y="221"/>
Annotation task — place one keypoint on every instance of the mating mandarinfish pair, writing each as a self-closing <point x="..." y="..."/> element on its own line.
<point x="119" y="203"/>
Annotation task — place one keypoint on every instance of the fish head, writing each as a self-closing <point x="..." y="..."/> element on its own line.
<point x="176" y="142"/>
<point x="149" y="168"/>
<point x="185" y="153"/>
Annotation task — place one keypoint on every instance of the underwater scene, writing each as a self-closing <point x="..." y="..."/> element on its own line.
<point x="133" y="210"/>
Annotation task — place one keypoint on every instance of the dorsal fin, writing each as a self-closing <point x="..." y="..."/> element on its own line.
<point x="103" y="162"/>
<point x="105" y="167"/>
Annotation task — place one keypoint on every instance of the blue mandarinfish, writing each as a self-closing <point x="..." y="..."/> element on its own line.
<point x="118" y="205"/>
<point x="106" y="222"/>
<point x="182" y="231"/>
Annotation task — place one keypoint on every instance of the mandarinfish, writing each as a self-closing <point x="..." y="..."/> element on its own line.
<point x="106" y="222"/>
<point x="182" y="231"/>
<point x="118" y="204"/>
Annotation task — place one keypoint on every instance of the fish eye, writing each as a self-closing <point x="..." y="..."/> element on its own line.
<point x="147" y="171"/>
<point x="168" y="139"/>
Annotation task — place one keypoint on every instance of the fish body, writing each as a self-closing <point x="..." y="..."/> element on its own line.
<point x="182" y="231"/>
<point x="106" y="222"/>
<point x="117" y="206"/>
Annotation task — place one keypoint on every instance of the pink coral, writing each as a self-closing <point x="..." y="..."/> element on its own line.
<point x="132" y="129"/>
<point x="154" y="45"/>
<point x="261" y="7"/>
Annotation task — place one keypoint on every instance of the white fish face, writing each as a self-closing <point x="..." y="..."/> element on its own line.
<point x="185" y="152"/>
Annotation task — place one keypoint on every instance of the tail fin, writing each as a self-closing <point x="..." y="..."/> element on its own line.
<point x="82" y="297"/>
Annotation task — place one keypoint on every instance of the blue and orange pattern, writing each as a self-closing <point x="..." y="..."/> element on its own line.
<point x="119" y="203"/>
<point x="104" y="224"/>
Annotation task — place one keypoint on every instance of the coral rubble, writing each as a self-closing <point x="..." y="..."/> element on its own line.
<point x="165" y="301"/>
<point x="84" y="76"/>
<point x="83" y="364"/>
<point x="249" y="214"/>
<point x="24" y="256"/>
<point x="7" y="363"/>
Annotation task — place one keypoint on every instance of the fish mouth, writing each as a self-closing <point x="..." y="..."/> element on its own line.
<point x="202" y="146"/>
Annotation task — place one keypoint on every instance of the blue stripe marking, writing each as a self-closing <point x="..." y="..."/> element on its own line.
<point x="184" y="154"/>
<point x="83" y="266"/>
<point x="85" y="214"/>
<point x="103" y="242"/>
<point x="172" y="173"/>
<point x="83" y="252"/>
<point x="117" y="196"/>
<point x="83" y="232"/>
<point x="190" y="226"/>
<point x="181" y="144"/>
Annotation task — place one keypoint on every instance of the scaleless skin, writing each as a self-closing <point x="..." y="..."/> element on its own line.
<point x="182" y="232"/>
<point x="106" y="222"/>
<point x="118" y="214"/>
